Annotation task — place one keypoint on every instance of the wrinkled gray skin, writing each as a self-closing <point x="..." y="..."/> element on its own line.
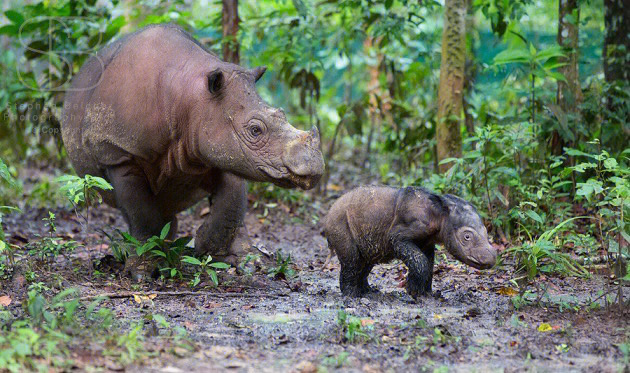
<point x="371" y="225"/>
<point x="167" y="123"/>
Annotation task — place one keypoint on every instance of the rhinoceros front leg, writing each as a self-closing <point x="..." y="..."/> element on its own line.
<point x="223" y="234"/>
<point x="137" y="203"/>
<point x="420" y="266"/>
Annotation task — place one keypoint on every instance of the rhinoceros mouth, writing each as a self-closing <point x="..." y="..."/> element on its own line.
<point x="289" y="180"/>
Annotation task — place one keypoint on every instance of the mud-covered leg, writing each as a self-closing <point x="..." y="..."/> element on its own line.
<point x="365" y="286"/>
<point x="429" y="251"/>
<point x="419" y="266"/>
<point x="354" y="273"/>
<point x="223" y="234"/>
<point x="135" y="200"/>
<point x="353" y="280"/>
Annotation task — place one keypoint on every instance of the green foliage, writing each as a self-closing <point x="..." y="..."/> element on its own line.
<point x="541" y="255"/>
<point x="351" y="327"/>
<point x="169" y="253"/>
<point x="283" y="269"/>
<point x="48" y="42"/>
<point x="42" y="339"/>
<point x="82" y="191"/>
<point x="536" y="64"/>
<point x="205" y="266"/>
<point x="48" y="248"/>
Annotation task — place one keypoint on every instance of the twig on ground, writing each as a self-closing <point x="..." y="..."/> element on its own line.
<point x="177" y="294"/>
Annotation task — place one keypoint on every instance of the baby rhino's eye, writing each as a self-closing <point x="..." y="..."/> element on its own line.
<point x="467" y="236"/>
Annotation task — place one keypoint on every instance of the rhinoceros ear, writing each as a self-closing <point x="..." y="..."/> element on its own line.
<point x="215" y="81"/>
<point x="258" y="72"/>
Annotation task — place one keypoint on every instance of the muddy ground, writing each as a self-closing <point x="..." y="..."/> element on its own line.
<point x="264" y="324"/>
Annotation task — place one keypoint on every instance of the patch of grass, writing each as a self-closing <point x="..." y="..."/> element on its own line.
<point x="50" y="329"/>
<point x="334" y="361"/>
<point x="352" y="328"/>
<point x="49" y="247"/>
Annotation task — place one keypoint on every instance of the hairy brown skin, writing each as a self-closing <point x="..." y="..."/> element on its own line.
<point x="168" y="123"/>
<point x="371" y="225"/>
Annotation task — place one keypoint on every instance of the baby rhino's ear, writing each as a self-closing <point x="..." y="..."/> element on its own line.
<point x="446" y="202"/>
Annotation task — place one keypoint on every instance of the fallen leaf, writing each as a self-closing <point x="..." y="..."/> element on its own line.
<point x="5" y="300"/>
<point x="212" y="305"/>
<point x="144" y="299"/>
<point x="365" y="322"/>
<point x="248" y="307"/>
<point x="334" y="187"/>
<point x="438" y="317"/>
<point x="508" y="291"/>
<point x="544" y="327"/>
<point x="189" y="326"/>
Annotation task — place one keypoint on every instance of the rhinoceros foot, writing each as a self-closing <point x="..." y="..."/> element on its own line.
<point x="141" y="268"/>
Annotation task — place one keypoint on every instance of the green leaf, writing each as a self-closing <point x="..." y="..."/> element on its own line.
<point x="165" y="231"/>
<point x="449" y="160"/>
<point x="11" y="30"/>
<point x="534" y="216"/>
<point x="15" y="17"/>
<point x="554" y="51"/>
<point x="181" y="242"/>
<point x="532" y="49"/>
<point x="512" y="56"/>
<point x="213" y="277"/>
<point x="575" y="152"/>
<point x="219" y="265"/>
<point x="159" y="253"/>
<point x="610" y="163"/>
<point x="129" y="238"/>
<point x="556" y="76"/>
<point x="191" y="260"/>
<point x="6" y="175"/>
<point x="161" y="320"/>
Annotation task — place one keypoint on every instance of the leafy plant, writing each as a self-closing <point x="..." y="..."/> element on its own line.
<point x="536" y="63"/>
<point x="169" y="252"/>
<point x="283" y="267"/>
<point x="541" y="255"/>
<point x="48" y="248"/>
<point x="609" y="190"/>
<point x="352" y="327"/>
<point x="82" y="192"/>
<point x="205" y="266"/>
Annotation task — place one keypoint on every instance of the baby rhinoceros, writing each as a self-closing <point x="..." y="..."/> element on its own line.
<point x="371" y="225"/>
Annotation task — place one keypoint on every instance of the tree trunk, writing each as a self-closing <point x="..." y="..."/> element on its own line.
<point x="230" y="28"/>
<point x="617" y="40"/>
<point x="470" y="69"/>
<point x="569" y="93"/>
<point x="448" y="132"/>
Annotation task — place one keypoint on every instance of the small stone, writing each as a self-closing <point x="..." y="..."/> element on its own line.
<point x="305" y="366"/>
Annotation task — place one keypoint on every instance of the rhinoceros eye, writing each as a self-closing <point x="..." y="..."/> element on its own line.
<point x="467" y="236"/>
<point x="255" y="130"/>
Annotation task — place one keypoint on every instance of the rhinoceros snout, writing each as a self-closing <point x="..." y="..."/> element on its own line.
<point x="484" y="258"/>
<point x="303" y="158"/>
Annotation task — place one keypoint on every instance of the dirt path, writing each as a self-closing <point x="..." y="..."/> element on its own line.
<point x="469" y="325"/>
